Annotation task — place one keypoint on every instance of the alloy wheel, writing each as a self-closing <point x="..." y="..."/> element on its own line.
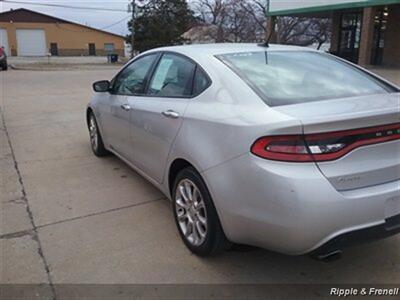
<point x="94" y="139"/>
<point x="191" y="212"/>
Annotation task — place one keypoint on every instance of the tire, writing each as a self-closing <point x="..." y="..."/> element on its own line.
<point x="207" y="237"/>
<point x="96" y="140"/>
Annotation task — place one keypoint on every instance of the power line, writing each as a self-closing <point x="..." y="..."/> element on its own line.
<point x="63" y="6"/>
<point x="116" y="23"/>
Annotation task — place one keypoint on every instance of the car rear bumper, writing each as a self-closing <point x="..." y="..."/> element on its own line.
<point x="292" y="208"/>
<point x="390" y="227"/>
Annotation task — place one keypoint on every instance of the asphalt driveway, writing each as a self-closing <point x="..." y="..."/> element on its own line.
<point x="69" y="217"/>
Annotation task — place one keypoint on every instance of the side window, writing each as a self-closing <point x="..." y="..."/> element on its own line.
<point x="201" y="82"/>
<point x="172" y="77"/>
<point x="131" y="81"/>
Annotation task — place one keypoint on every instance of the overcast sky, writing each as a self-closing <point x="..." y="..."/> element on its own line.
<point x="103" y="19"/>
<point x="97" y="19"/>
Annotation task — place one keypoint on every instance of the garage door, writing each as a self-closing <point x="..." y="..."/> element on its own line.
<point x="4" y="40"/>
<point x="31" y="42"/>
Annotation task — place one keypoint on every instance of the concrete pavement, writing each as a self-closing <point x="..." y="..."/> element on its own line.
<point x="69" y="217"/>
<point x="52" y="63"/>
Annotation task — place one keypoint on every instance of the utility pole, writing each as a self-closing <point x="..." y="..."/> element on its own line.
<point x="270" y="28"/>
<point x="267" y="17"/>
<point x="132" y="7"/>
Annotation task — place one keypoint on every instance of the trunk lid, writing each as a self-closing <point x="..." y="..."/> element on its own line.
<point x="363" y="166"/>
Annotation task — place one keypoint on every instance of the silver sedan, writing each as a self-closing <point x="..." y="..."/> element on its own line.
<point x="279" y="147"/>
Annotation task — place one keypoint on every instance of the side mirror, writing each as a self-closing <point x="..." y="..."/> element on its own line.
<point x="101" y="86"/>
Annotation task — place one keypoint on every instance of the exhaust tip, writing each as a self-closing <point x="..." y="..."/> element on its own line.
<point x="329" y="256"/>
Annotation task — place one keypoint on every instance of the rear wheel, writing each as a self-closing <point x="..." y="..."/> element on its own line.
<point x="196" y="216"/>
<point x="96" y="140"/>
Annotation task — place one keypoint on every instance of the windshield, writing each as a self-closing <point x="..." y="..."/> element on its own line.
<point x="288" y="77"/>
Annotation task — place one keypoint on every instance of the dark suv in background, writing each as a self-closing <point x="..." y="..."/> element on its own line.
<point x="3" y="59"/>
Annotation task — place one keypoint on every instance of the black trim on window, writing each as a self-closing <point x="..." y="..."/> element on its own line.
<point x="155" y="68"/>
<point x="155" y="62"/>
<point x="197" y="66"/>
<point x="150" y="74"/>
<point x="194" y="78"/>
<point x="152" y="69"/>
<point x="200" y="70"/>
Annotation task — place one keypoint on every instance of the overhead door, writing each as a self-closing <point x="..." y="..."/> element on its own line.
<point x="4" y="40"/>
<point x="31" y="42"/>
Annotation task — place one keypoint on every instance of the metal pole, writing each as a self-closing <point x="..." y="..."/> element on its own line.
<point x="133" y="7"/>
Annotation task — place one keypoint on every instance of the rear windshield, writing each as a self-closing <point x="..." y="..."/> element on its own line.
<point x="288" y="77"/>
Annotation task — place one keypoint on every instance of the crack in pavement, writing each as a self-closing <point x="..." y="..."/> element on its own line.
<point x="19" y="200"/>
<point x="101" y="212"/>
<point x="17" y="234"/>
<point x="34" y="231"/>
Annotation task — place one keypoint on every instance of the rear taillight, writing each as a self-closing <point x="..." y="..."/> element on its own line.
<point x="282" y="148"/>
<point x="323" y="146"/>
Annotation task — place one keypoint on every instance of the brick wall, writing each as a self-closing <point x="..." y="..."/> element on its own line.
<point x="85" y="52"/>
<point x="71" y="39"/>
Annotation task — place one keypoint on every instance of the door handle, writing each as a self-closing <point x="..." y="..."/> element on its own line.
<point x="126" y="107"/>
<point x="170" y="114"/>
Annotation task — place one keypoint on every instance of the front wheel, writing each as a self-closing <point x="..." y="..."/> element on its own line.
<point x="96" y="140"/>
<point x="195" y="215"/>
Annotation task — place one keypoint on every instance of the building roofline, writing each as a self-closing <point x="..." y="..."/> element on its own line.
<point x="60" y="20"/>
<point x="331" y="7"/>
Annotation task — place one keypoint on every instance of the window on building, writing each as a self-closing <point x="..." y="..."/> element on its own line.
<point x="92" y="49"/>
<point x="54" y="49"/>
<point x="109" y="47"/>
<point x="350" y="36"/>
<point x="380" y="26"/>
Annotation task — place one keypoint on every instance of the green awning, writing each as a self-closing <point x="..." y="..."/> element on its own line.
<point x="331" y="7"/>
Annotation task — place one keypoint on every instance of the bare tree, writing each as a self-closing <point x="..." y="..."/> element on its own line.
<point x="303" y="31"/>
<point x="321" y="31"/>
<point x="246" y="21"/>
<point x="213" y="12"/>
<point x="257" y="9"/>
<point x="236" y="20"/>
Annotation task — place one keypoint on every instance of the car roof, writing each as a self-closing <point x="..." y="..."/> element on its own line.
<point x="197" y="50"/>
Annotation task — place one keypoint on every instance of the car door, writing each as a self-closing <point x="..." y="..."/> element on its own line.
<point x="116" y="114"/>
<point x="157" y="118"/>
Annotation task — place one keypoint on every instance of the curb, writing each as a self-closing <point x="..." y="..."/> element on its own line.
<point x="71" y="67"/>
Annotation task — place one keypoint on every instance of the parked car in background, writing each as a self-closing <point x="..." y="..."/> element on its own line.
<point x="280" y="147"/>
<point x="3" y="59"/>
